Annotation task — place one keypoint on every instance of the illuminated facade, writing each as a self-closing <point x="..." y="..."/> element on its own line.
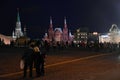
<point x="5" y="39"/>
<point x="80" y="36"/>
<point x="113" y="36"/>
<point x="57" y="34"/>
<point x="93" y="37"/>
<point x="18" y="31"/>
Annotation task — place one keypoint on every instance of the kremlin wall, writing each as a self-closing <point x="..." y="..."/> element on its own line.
<point x="6" y="39"/>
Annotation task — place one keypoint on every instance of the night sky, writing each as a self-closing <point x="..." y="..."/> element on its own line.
<point x="96" y="15"/>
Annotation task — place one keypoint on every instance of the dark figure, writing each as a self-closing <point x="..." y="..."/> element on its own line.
<point x="28" y="58"/>
<point x="47" y="45"/>
<point x="42" y="55"/>
<point x="39" y="61"/>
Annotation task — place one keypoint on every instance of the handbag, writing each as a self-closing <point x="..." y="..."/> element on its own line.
<point x="21" y="64"/>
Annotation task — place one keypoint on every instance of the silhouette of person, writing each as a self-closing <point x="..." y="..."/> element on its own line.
<point x="39" y="55"/>
<point x="28" y="58"/>
<point x="42" y="55"/>
<point x="37" y="60"/>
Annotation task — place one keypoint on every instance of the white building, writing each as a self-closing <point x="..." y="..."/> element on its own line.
<point x="113" y="36"/>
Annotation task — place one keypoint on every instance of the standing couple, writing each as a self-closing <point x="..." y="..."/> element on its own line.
<point x="33" y="57"/>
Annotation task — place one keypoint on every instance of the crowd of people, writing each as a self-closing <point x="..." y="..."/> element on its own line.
<point x="89" y="46"/>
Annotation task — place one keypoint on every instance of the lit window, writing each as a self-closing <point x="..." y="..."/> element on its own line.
<point x="78" y="34"/>
<point x="78" y="30"/>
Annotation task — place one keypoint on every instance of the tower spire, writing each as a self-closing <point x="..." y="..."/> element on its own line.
<point x="18" y="16"/>
<point x="51" y="22"/>
<point x="18" y="30"/>
<point x="50" y="30"/>
<point x="65" y="23"/>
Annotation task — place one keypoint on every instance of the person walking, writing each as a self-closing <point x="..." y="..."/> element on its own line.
<point x="28" y="58"/>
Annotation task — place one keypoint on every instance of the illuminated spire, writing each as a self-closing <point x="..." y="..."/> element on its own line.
<point x="18" y="30"/>
<point x="51" y="22"/>
<point x="18" y="16"/>
<point x="65" y="23"/>
<point x="64" y="20"/>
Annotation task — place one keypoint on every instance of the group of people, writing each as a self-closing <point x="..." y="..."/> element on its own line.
<point x="33" y="57"/>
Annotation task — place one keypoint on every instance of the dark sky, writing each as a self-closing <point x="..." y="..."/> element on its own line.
<point x="97" y="15"/>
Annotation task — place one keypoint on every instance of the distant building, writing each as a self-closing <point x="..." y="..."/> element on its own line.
<point x="6" y="39"/>
<point x="93" y="37"/>
<point x="113" y="36"/>
<point x="17" y="33"/>
<point x="81" y="35"/>
<point x="20" y="38"/>
<point x="58" y="35"/>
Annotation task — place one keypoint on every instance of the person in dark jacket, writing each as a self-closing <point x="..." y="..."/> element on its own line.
<point x="37" y="60"/>
<point x="28" y="58"/>
<point x="43" y="56"/>
<point x="39" y="56"/>
<point x="42" y="70"/>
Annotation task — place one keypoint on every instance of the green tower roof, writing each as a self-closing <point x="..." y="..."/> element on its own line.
<point x="18" y="16"/>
